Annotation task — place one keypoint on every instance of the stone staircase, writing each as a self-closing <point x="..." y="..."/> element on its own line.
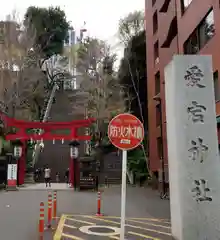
<point x="57" y="156"/>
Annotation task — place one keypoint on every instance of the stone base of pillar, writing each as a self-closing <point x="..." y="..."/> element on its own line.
<point x="11" y="188"/>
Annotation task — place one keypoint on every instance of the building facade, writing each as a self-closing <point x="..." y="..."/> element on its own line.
<point x="176" y="27"/>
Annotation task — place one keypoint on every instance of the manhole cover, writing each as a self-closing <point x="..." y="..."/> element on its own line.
<point x="100" y="230"/>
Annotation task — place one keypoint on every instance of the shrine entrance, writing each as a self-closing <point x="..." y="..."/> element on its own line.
<point x="39" y="131"/>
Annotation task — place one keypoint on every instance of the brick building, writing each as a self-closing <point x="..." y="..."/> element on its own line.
<point x="176" y="27"/>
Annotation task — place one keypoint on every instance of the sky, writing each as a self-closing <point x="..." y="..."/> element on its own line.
<point x="101" y="16"/>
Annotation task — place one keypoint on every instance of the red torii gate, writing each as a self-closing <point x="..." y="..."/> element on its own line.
<point x="22" y="134"/>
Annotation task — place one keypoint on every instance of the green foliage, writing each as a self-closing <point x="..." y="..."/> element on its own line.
<point x="108" y="64"/>
<point x="135" y="56"/>
<point x="90" y="53"/>
<point x="132" y="74"/>
<point x="131" y="25"/>
<point x="105" y="145"/>
<point x="51" y="28"/>
<point x="137" y="163"/>
<point x="29" y="158"/>
<point x="6" y="145"/>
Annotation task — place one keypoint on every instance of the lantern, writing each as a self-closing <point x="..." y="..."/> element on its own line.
<point x="74" y="149"/>
<point x="17" y="149"/>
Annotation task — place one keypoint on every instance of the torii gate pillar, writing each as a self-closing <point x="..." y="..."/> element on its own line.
<point x="22" y="165"/>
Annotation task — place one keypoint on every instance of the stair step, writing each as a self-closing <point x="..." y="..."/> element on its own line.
<point x="29" y="178"/>
<point x="57" y="156"/>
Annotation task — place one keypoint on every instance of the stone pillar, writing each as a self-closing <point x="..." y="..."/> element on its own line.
<point x="194" y="166"/>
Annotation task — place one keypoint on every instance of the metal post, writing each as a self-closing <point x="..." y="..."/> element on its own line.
<point x="123" y="194"/>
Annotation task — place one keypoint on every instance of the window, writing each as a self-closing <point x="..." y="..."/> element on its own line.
<point x="156" y="52"/>
<point x="185" y="4"/>
<point x="206" y="29"/>
<point x="201" y="35"/>
<point x="216" y="86"/>
<point x="157" y="83"/>
<point x="191" y="46"/>
<point x="155" y="22"/>
<point x="159" y="147"/>
<point x="158" y="115"/>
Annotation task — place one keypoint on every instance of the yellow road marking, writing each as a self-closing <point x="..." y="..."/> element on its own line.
<point x="101" y="219"/>
<point x="129" y="225"/>
<point x="152" y="219"/>
<point x="114" y="237"/>
<point x="71" y="236"/>
<point x="148" y="229"/>
<point x="150" y="224"/>
<point x="144" y="236"/>
<point x="132" y="218"/>
<point x="69" y="226"/>
<point x="58" y="233"/>
<point x="77" y="220"/>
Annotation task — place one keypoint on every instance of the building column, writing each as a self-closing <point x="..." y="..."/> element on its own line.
<point x="218" y="129"/>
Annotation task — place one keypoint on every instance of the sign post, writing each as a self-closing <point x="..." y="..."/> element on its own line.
<point x="12" y="175"/>
<point x="126" y="132"/>
<point x="123" y="193"/>
<point x="11" y="172"/>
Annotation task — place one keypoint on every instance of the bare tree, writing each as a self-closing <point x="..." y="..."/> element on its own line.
<point x="130" y="26"/>
<point x="100" y="94"/>
<point x="26" y="78"/>
<point x="21" y="77"/>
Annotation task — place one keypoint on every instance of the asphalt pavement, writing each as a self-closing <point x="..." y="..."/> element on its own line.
<point x="20" y="213"/>
<point x="83" y="227"/>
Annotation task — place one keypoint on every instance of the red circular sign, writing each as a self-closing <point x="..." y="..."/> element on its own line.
<point x="125" y="131"/>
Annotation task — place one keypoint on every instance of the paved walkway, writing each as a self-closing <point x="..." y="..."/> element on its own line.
<point x="41" y="186"/>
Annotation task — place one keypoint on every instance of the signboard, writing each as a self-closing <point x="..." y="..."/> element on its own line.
<point x="125" y="131"/>
<point x="12" y="175"/>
